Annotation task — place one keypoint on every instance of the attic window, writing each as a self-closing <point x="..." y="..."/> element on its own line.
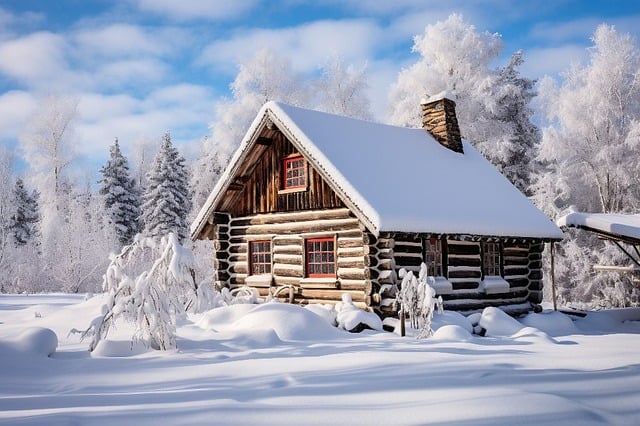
<point x="294" y="173"/>
<point x="259" y="257"/>
<point x="491" y="259"/>
<point x="320" y="258"/>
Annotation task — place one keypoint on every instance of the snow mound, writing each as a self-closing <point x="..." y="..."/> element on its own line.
<point x="451" y="318"/>
<point x="220" y="318"/>
<point x="289" y="322"/>
<point x="532" y="334"/>
<point x="452" y="332"/>
<point x="37" y="341"/>
<point x="119" y="348"/>
<point x="352" y="318"/>
<point x="498" y="323"/>
<point x="552" y="323"/>
<point x="327" y="312"/>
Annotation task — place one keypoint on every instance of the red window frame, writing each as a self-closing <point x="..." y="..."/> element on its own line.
<point x="294" y="172"/>
<point x="320" y="257"/>
<point x="433" y="257"/>
<point x="259" y="257"/>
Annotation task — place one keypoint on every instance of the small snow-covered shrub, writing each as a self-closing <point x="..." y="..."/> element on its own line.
<point x="351" y="318"/>
<point x="418" y="299"/>
<point x="153" y="297"/>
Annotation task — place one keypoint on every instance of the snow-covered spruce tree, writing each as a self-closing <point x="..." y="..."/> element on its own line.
<point x="589" y="156"/>
<point x="151" y="296"/>
<point x="26" y="215"/>
<point x="121" y="196"/>
<point x="167" y="199"/>
<point x="418" y="299"/>
<point x="491" y="104"/>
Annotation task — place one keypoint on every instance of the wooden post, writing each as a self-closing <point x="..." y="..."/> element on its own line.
<point x="402" y="330"/>
<point x="553" y="278"/>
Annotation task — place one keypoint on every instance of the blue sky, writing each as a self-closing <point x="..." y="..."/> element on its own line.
<point x="143" y="67"/>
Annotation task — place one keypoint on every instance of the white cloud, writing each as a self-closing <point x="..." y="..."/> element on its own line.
<point x="197" y="9"/>
<point x="120" y="40"/>
<point x="308" y="46"/>
<point x="16" y="107"/>
<point x="36" y="59"/>
<point x="183" y="109"/>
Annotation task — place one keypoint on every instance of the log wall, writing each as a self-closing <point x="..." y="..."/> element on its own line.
<point x="521" y="264"/>
<point x="287" y="233"/>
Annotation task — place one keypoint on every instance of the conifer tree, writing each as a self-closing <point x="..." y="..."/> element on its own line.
<point x="25" y="218"/>
<point x="121" y="196"/>
<point x="167" y="200"/>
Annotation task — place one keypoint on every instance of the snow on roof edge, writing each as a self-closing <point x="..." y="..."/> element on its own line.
<point x="624" y="225"/>
<point x="223" y="182"/>
<point x="329" y="172"/>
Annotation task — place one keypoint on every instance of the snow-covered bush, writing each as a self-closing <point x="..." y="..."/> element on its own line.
<point x="418" y="299"/>
<point x="150" y="299"/>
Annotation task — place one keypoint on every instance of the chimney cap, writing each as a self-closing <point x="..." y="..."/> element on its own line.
<point x="435" y="98"/>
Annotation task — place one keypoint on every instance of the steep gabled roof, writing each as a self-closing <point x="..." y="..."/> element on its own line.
<point x="396" y="178"/>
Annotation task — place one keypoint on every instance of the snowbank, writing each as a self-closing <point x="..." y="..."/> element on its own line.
<point x="38" y="341"/>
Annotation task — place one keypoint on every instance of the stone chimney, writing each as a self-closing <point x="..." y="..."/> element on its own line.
<point x="439" y="119"/>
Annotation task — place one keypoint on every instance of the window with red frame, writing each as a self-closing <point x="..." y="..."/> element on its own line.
<point x="294" y="173"/>
<point x="321" y="257"/>
<point x="259" y="257"/>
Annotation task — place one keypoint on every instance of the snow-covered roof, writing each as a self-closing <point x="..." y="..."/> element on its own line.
<point x="615" y="224"/>
<point x="398" y="179"/>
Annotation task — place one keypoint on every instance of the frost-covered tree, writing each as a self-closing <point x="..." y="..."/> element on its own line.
<point x="167" y="199"/>
<point x="589" y="156"/>
<point x="418" y="299"/>
<point x="26" y="214"/>
<point x="341" y="90"/>
<point x="592" y="137"/>
<point x="491" y="104"/>
<point x="149" y="297"/>
<point x="120" y="195"/>
<point x="47" y="145"/>
<point x="267" y="76"/>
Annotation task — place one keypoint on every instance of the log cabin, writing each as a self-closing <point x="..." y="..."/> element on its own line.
<point x="314" y="205"/>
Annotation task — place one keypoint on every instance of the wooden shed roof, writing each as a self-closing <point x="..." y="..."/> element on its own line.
<point x="395" y="179"/>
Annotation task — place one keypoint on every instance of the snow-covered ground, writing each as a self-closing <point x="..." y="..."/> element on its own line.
<point x="283" y="364"/>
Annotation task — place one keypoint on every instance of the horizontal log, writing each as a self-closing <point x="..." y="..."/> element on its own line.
<point x="353" y="251"/>
<point x="344" y="243"/>
<point x="238" y="248"/>
<point x="535" y="275"/>
<point x="519" y="282"/>
<point x="360" y="305"/>
<point x="354" y="273"/>
<point x="453" y="274"/>
<point x="336" y="295"/>
<point x="356" y="285"/>
<point x="310" y="283"/>
<point x="464" y="261"/>
<point x="240" y="257"/>
<point x="516" y="270"/>
<point x="511" y="260"/>
<point x="402" y="262"/>
<point x="301" y="216"/>
<point x="455" y="248"/>
<point x="386" y="264"/>
<point x="287" y="240"/>
<point x="281" y="280"/>
<point x="280" y="269"/>
<point x="352" y="262"/>
<point x="238" y="268"/>
<point x="287" y="259"/>
<point x="290" y="249"/>
<point x="298" y="227"/>
<point x="386" y="243"/>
